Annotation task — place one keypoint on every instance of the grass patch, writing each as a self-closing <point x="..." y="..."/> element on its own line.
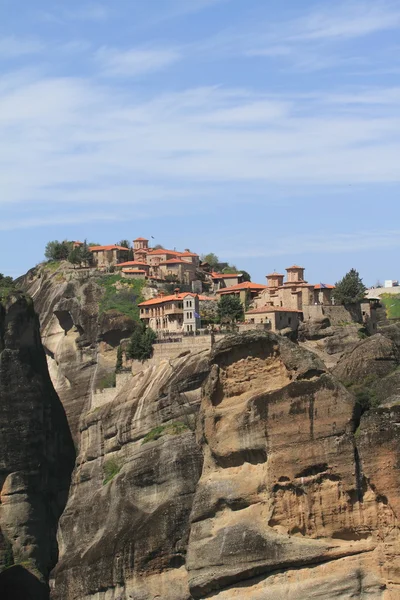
<point x="111" y="468"/>
<point x="391" y="303"/>
<point x="52" y="265"/>
<point x="169" y="429"/>
<point x="121" y="295"/>
<point x="108" y="381"/>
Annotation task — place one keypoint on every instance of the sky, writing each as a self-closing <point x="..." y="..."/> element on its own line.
<point x="267" y="132"/>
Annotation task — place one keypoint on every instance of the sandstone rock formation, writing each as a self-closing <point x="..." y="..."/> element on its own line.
<point x="254" y="472"/>
<point x="36" y="456"/>
<point x="80" y="341"/>
<point x="276" y="496"/>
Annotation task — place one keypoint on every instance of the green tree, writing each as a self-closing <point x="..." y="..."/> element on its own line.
<point x="86" y="255"/>
<point x="119" y="363"/>
<point x="230" y="269"/>
<point x="350" y="289"/>
<point x="158" y="247"/>
<point x="124" y="243"/>
<point x="141" y="342"/>
<point x="56" y="250"/>
<point x="230" y="309"/>
<point x="211" y="258"/>
<point x="246" y="275"/>
<point x="74" y="256"/>
<point x="6" y="281"/>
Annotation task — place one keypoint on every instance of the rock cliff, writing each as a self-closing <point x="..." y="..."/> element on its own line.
<point x="252" y="472"/>
<point x="36" y="456"/>
<point x="284" y="490"/>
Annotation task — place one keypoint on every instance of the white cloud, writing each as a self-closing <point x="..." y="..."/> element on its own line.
<point x="134" y="62"/>
<point x="59" y="219"/>
<point x="77" y="142"/>
<point x="13" y="47"/>
<point x="347" y="20"/>
<point x="355" y="241"/>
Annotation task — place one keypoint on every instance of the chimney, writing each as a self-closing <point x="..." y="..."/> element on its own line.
<point x="176" y="290"/>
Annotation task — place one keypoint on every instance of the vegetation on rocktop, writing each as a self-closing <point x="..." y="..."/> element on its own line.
<point x="392" y="304"/>
<point x="350" y="289"/>
<point x="6" y="286"/>
<point x="56" y="251"/>
<point x="122" y="295"/>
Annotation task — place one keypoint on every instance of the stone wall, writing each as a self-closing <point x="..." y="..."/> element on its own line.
<point x="336" y="314"/>
<point x="101" y="397"/>
<point x="170" y="350"/>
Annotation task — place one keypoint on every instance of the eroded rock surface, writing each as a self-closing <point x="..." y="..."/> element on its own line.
<point x="247" y="473"/>
<point x="36" y="456"/>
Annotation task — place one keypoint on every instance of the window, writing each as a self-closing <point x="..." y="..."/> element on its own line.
<point x="290" y="320"/>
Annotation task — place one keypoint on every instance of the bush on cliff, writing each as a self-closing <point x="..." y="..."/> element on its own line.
<point x="121" y="295"/>
<point x="141" y="343"/>
<point x="6" y="285"/>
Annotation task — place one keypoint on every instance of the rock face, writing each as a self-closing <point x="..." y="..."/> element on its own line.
<point x="282" y="491"/>
<point x="125" y="530"/>
<point x="261" y="471"/>
<point x="36" y="456"/>
<point x="80" y="341"/>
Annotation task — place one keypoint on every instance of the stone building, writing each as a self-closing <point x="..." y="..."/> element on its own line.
<point x="134" y="273"/>
<point x="246" y="291"/>
<point x="191" y="313"/>
<point x="276" y="317"/>
<point x="294" y="293"/>
<point x="173" y="313"/>
<point x="225" y="280"/>
<point x="108" y="256"/>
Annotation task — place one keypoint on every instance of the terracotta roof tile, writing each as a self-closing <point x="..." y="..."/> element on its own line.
<point x="110" y="247"/>
<point x="140" y="239"/>
<point x="324" y="286"/>
<point x="133" y="263"/>
<point x="246" y="285"/>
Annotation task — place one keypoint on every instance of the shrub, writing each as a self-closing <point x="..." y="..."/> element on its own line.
<point x="108" y="381"/>
<point x="141" y="343"/>
<point x="171" y="429"/>
<point x="230" y="309"/>
<point x="121" y="295"/>
<point x="111" y="468"/>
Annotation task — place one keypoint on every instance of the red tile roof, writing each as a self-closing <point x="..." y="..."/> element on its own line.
<point x="133" y="263"/>
<point x="141" y="240"/>
<point x="269" y="309"/>
<point x="226" y="275"/>
<point x="188" y="254"/>
<point x="164" y="251"/>
<point x="163" y="299"/>
<point x="111" y="247"/>
<point x="180" y="296"/>
<point x="246" y="285"/>
<point x="275" y="274"/>
<point x="294" y="267"/>
<point x="174" y="261"/>
<point x="324" y="286"/>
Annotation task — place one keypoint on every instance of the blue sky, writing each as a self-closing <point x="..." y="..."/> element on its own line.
<point x="265" y="131"/>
